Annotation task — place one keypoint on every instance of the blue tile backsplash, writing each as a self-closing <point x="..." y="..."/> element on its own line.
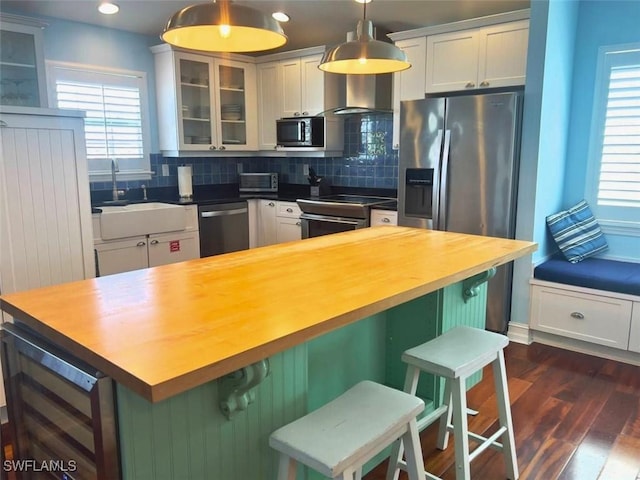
<point x="368" y="161"/>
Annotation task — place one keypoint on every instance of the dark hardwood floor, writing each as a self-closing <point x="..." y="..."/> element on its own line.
<point x="576" y="417"/>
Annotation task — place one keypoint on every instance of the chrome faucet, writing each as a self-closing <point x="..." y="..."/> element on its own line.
<point x="114" y="185"/>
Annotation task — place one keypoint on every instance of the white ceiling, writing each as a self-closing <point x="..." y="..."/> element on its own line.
<point x="313" y="22"/>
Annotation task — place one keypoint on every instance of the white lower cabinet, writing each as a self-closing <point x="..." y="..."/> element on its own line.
<point x="595" y="316"/>
<point x="383" y="217"/>
<point x="134" y="253"/>
<point x="266" y="228"/>
<point x="277" y="222"/>
<point x="288" y="225"/>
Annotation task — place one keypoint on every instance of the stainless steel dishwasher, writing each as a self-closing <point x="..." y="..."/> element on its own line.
<point x="224" y="228"/>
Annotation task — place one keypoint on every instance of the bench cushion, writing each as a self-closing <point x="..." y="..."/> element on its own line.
<point x="597" y="273"/>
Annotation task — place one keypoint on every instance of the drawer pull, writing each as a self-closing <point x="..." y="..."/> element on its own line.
<point x="577" y="315"/>
<point x="386" y="220"/>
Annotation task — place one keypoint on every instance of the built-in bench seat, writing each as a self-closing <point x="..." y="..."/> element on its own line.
<point x="591" y="306"/>
<point x="596" y="273"/>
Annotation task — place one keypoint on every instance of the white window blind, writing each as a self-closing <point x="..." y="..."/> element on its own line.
<point x="115" y="123"/>
<point x="619" y="183"/>
<point x="613" y="188"/>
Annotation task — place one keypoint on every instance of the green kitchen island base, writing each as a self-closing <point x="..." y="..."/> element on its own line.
<point x="188" y="437"/>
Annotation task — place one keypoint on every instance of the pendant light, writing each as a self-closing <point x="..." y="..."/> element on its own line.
<point x="223" y="27"/>
<point x="364" y="55"/>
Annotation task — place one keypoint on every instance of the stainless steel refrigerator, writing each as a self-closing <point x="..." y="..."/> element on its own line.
<point x="458" y="172"/>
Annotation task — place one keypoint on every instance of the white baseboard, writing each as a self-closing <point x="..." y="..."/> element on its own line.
<point x="519" y="333"/>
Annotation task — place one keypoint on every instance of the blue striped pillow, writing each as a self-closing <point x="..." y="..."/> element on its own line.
<point x="577" y="233"/>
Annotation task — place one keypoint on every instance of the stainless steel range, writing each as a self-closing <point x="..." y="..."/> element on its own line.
<point x="337" y="213"/>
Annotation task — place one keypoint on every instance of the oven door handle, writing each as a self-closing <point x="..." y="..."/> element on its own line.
<point x="324" y="218"/>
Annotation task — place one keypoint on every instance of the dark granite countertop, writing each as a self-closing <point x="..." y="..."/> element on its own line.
<point x="226" y="193"/>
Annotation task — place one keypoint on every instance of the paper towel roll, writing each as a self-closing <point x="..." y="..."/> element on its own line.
<point x="185" y="188"/>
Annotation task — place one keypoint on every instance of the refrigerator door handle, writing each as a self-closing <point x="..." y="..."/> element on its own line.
<point x="442" y="207"/>
<point x="435" y="192"/>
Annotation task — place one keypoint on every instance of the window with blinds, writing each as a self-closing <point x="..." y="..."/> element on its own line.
<point x="615" y="152"/>
<point x="619" y="183"/>
<point x="115" y="117"/>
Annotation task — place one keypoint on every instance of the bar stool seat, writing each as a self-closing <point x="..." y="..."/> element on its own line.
<point x="455" y="355"/>
<point x="337" y="439"/>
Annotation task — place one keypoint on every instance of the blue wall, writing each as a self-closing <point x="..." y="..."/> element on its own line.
<point x="546" y="122"/>
<point x="599" y="23"/>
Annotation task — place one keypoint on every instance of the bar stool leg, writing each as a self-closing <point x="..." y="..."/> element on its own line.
<point x="410" y="386"/>
<point x="504" y="412"/>
<point x="286" y="468"/>
<point x="415" y="463"/>
<point x="460" y="428"/>
<point x="445" y="420"/>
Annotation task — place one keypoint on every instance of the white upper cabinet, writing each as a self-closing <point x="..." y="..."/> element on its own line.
<point x="409" y="84"/>
<point x="488" y="57"/>
<point x="22" y="78"/>
<point x="452" y="61"/>
<point x="502" y="60"/>
<point x="205" y="104"/>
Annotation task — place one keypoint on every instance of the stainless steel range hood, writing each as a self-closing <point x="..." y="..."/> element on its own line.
<point x="367" y="94"/>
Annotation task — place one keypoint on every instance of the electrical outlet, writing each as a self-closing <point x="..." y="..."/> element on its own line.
<point x="165" y="170"/>
<point x="305" y="169"/>
<point x="239" y="168"/>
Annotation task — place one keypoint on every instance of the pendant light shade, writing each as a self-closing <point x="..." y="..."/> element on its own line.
<point x="223" y="27"/>
<point x="364" y="55"/>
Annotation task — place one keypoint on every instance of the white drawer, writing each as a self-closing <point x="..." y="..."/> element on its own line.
<point x="288" y="209"/>
<point x="383" y="217"/>
<point x="591" y="318"/>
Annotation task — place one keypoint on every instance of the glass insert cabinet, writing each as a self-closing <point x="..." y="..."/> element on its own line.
<point x="21" y="65"/>
<point x="213" y="107"/>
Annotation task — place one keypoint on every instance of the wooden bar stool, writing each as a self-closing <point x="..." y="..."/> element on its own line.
<point x="455" y="355"/>
<point x="337" y="439"/>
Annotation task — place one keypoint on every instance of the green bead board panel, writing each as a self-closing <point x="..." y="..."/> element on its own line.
<point x="186" y="437"/>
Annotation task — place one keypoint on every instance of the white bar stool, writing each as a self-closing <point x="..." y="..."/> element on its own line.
<point x="337" y="439"/>
<point x="455" y="355"/>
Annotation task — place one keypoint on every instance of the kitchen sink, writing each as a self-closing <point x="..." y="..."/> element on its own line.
<point x="120" y="221"/>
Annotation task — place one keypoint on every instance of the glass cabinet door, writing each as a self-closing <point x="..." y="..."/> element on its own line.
<point x="20" y="68"/>
<point x="196" y="106"/>
<point x="232" y="94"/>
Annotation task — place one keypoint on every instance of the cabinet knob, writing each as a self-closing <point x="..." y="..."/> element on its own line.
<point x="298" y="224"/>
<point x="212" y="147"/>
<point x="297" y="114"/>
<point x="140" y="244"/>
<point x="271" y="204"/>
<point x="155" y="242"/>
<point x="290" y="210"/>
<point x="223" y="147"/>
<point x="305" y="113"/>
<point x="577" y="315"/>
<point x="386" y="220"/>
<point x="484" y="83"/>
<point x="470" y="85"/>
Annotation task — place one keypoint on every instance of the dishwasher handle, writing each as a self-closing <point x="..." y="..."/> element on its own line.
<point x="221" y="213"/>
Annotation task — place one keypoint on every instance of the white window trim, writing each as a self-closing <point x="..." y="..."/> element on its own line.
<point x="105" y="175"/>
<point x="623" y="221"/>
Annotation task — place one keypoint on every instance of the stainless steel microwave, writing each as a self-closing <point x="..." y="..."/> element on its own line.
<point x="300" y="132"/>
<point x="258" y="182"/>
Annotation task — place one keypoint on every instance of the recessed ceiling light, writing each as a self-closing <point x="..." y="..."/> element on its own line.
<point x="108" y="8"/>
<point x="280" y="16"/>
<point x="363" y="1"/>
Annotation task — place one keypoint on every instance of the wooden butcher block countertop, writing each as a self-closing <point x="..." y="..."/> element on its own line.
<point x="164" y="330"/>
